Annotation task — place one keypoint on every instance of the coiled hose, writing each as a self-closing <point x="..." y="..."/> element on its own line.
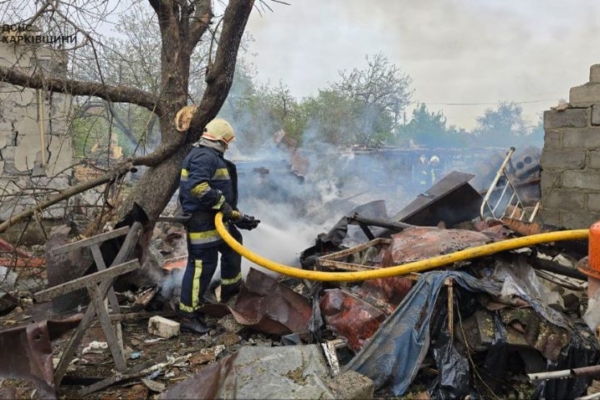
<point x="417" y="266"/>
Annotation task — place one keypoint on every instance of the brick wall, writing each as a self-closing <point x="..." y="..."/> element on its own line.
<point x="28" y="174"/>
<point x="570" y="184"/>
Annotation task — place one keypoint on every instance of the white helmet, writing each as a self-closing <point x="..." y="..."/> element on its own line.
<point x="434" y="160"/>
<point x="219" y="130"/>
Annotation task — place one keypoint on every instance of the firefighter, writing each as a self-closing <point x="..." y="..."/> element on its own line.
<point x="208" y="184"/>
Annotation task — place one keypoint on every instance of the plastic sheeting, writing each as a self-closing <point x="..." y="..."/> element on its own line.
<point x="393" y="356"/>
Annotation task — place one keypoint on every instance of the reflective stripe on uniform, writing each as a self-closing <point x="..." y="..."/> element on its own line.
<point x="204" y="237"/>
<point x="200" y="190"/>
<point x="221" y="174"/>
<point x="184" y="174"/>
<point x="219" y="203"/>
<point x="196" y="283"/>
<point x="232" y="281"/>
<point x="195" y="289"/>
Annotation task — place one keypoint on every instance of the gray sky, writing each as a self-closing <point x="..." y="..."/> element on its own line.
<point x="456" y="51"/>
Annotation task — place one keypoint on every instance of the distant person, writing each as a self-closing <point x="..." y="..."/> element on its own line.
<point x="208" y="184"/>
<point x="435" y="167"/>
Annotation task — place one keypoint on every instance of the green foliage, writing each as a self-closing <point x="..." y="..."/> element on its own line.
<point x="502" y="126"/>
<point x="428" y="129"/>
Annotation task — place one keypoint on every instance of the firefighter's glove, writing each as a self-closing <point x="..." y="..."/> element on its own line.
<point x="247" y="222"/>
<point x="229" y="214"/>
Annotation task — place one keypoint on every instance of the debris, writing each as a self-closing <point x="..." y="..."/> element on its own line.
<point x="350" y="317"/>
<point x="230" y="325"/>
<point x="144" y="298"/>
<point x="154" y="386"/>
<point x="8" y="302"/>
<point x="421" y="243"/>
<point x="228" y="339"/>
<point x="95" y="347"/>
<point x="352" y="386"/>
<point x="288" y="372"/>
<point x="206" y="355"/>
<point x="163" y="327"/>
<point x="135" y="355"/>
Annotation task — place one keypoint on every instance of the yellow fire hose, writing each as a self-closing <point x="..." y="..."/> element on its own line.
<point x="417" y="266"/>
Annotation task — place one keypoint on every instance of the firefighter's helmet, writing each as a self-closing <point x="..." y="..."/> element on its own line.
<point x="434" y="160"/>
<point x="219" y="130"/>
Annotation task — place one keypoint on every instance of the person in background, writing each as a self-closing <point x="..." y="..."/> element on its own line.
<point x="208" y="184"/>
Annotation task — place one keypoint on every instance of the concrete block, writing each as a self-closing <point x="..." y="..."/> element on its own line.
<point x="352" y="385"/>
<point x="582" y="138"/>
<point x="589" y="180"/>
<point x="569" y="118"/>
<point x="594" y="159"/>
<point x="552" y="139"/>
<point x="550" y="181"/>
<point x="596" y="114"/>
<point x="563" y="159"/>
<point x="593" y="202"/>
<point x="549" y="217"/>
<point x="595" y="73"/>
<point x="585" y="95"/>
<point x="163" y="327"/>
<point x="579" y="219"/>
<point x="564" y="199"/>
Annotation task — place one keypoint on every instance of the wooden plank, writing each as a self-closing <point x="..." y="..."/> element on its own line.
<point x="109" y="333"/>
<point x="84" y="281"/>
<point x="90" y="241"/>
<point x="71" y="347"/>
<point x="134" y="372"/>
<point x="112" y="297"/>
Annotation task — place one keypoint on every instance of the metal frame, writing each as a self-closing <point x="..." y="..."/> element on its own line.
<point x="509" y="189"/>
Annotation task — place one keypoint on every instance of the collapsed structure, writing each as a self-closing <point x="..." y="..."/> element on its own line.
<point x="480" y="325"/>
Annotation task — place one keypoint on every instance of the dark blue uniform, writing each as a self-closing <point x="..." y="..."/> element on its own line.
<point x="207" y="181"/>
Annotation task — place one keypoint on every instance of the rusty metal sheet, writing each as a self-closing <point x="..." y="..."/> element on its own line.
<point x="385" y="293"/>
<point x="267" y="306"/>
<point x="451" y="200"/>
<point x="350" y="317"/>
<point x="420" y="243"/>
<point x="26" y="352"/>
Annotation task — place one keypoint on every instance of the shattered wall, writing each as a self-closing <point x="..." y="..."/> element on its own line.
<point x="570" y="161"/>
<point x="35" y="148"/>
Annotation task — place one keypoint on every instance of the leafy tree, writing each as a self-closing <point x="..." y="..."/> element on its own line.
<point x="378" y="95"/>
<point x="502" y="126"/>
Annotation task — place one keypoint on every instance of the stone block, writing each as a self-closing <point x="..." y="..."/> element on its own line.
<point x="593" y="202"/>
<point x="27" y="151"/>
<point x="589" y="180"/>
<point x="549" y="217"/>
<point x="163" y="327"/>
<point x="569" y="118"/>
<point x="60" y="154"/>
<point x="585" y="95"/>
<point x="582" y="138"/>
<point x="563" y="159"/>
<point x="552" y="139"/>
<point x="595" y="73"/>
<point x="564" y="199"/>
<point x="352" y="385"/>
<point x="579" y="219"/>
<point x="596" y="114"/>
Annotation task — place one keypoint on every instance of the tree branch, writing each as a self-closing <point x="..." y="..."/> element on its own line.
<point x="218" y="81"/>
<point x="201" y="20"/>
<point x="112" y="175"/>
<point x="117" y="94"/>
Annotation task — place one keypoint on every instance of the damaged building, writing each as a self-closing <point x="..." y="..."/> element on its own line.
<point x="478" y="286"/>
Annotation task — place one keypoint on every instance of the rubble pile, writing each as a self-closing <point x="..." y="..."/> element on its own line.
<point x="474" y="328"/>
